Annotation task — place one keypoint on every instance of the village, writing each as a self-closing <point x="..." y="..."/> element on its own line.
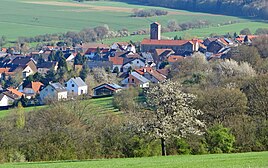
<point x="134" y="66"/>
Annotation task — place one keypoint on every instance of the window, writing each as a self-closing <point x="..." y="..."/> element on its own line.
<point x="65" y="84"/>
<point x="72" y="85"/>
<point x="132" y="80"/>
<point x="138" y="62"/>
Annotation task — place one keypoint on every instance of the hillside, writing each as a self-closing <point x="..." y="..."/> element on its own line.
<point x="250" y="8"/>
<point x="100" y="106"/>
<point x="55" y="16"/>
<point x="201" y="161"/>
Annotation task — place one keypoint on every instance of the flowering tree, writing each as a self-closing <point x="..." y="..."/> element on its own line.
<point x="169" y="113"/>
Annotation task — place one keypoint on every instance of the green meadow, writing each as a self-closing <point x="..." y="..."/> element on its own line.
<point x="98" y="106"/>
<point x="242" y="160"/>
<point x="34" y="17"/>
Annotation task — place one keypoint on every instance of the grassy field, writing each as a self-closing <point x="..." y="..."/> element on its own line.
<point x="100" y="106"/>
<point x="243" y="160"/>
<point x="34" y="17"/>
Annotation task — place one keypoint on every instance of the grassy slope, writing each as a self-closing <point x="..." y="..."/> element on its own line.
<point x="18" y="18"/>
<point x="244" y="160"/>
<point x="101" y="105"/>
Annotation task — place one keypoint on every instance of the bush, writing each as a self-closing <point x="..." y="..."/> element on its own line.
<point x="219" y="139"/>
<point x="149" y="12"/>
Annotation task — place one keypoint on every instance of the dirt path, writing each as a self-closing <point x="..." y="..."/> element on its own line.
<point x="90" y="7"/>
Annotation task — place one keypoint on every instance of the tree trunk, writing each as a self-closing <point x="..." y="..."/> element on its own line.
<point x="163" y="145"/>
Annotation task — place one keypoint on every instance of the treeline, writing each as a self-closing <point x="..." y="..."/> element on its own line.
<point x="86" y="35"/>
<point x="251" y="8"/>
<point x="148" y="12"/>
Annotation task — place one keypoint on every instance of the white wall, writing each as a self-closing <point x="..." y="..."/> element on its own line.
<point x="137" y="63"/>
<point x="62" y="95"/>
<point x="75" y="90"/>
<point x="6" y="101"/>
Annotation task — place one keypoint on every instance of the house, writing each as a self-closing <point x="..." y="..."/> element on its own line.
<point x="15" y="92"/>
<point x="175" y="59"/>
<point x="26" y="70"/>
<point x="4" y="72"/>
<point x="160" y="55"/>
<point x="117" y="62"/>
<point x="2" y="54"/>
<point x="215" y="46"/>
<point x="133" y="63"/>
<point x="25" y="65"/>
<point x="69" y="57"/>
<point x="106" y="89"/>
<point x="120" y="46"/>
<point x="22" y="60"/>
<point x="32" y="89"/>
<point x="207" y="41"/>
<point x="245" y="38"/>
<point x="89" y="50"/>
<point x="44" y="67"/>
<point x="53" y="91"/>
<point x="76" y="86"/>
<point x="151" y="74"/>
<point x="7" y="99"/>
<point x="123" y="46"/>
<point x="182" y="47"/>
<point x="136" y="80"/>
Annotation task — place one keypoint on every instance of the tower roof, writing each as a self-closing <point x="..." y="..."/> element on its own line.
<point x="157" y="23"/>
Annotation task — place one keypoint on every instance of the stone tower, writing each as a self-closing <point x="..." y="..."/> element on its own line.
<point x="155" y="31"/>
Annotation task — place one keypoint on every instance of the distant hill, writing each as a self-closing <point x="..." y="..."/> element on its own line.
<point x="245" y="8"/>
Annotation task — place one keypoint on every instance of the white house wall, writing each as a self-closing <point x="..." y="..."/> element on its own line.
<point x="6" y="101"/>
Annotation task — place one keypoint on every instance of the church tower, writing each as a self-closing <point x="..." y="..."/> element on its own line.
<point x="155" y="31"/>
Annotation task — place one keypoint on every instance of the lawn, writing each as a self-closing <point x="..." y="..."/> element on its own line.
<point x="35" y="17"/>
<point x="243" y="160"/>
<point x="100" y="106"/>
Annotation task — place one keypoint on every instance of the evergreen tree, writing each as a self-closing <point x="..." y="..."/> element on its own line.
<point x="20" y="121"/>
<point x="78" y="60"/>
<point x="40" y="60"/>
<point x="84" y="72"/>
<point x="62" y="61"/>
<point x="52" y="56"/>
<point x="235" y="34"/>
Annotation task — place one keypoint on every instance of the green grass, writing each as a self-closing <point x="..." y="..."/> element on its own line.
<point x="100" y="105"/>
<point x="198" y="33"/>
<point x="18" y="18"/>
<point x="243" y="160"/>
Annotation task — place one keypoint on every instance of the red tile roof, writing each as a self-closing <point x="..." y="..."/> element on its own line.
<point x="15" y="91"/>
<point x="164" y="42"/>
<point x="4" y="49"/>
<point x="151" y="71"/>
<point x="117" y="60"/>
<point x="161" y="51"/>
<point x="35" y="86"/>
<point x="4" y="70"/>
<point x="175" y="58"/>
